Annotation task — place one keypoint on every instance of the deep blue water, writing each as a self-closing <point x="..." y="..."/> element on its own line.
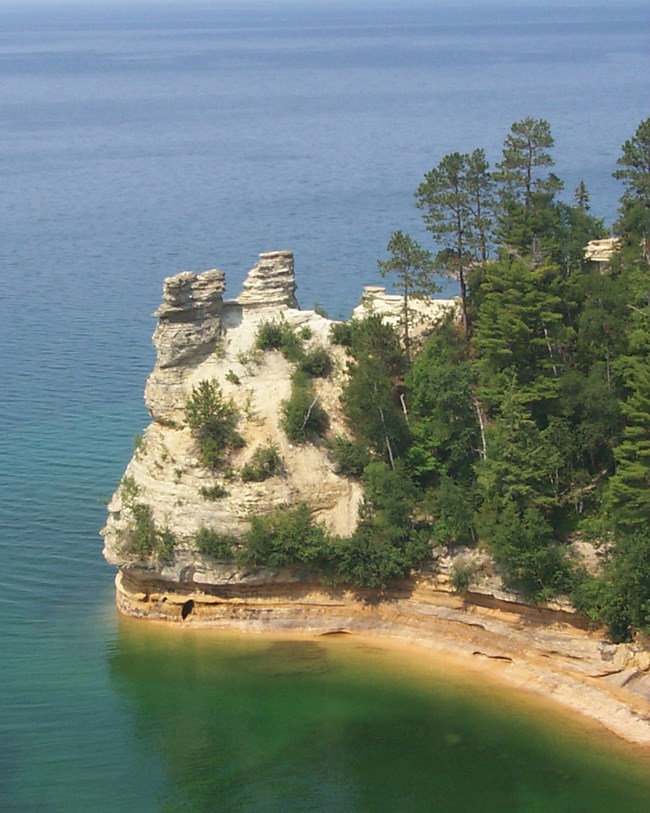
<point x="140" y="140"/>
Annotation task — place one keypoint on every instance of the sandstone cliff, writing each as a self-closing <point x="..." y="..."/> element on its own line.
<point x="202" y="337"/>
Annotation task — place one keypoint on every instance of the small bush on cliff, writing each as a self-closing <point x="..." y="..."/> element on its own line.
<point x="266" y="462"/>
<point x="284" y="538"/>
<point x="212" y="543"/>
<point x="144" y="538"/>
<point x="350" y="456"/>
<point x="302" y="417"/>
<point x="316" y="363"/>
<point x="212" y="419"/>
<point x="278" y="334"/>
<point x="215" y="492"/>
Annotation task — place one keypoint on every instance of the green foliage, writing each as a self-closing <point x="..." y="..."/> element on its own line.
<point x="521" y="460"/>
<point x="629" y="577"/>
<point x="387" y="544"/>
<point x="316" y="363"/>
<point x="526" y="189"/>
<point x="212" y="420"/>
<point x="233" y="378"/>
<point x="634" y="171"/>
<point x="218" y="545"/>
<point x="457" y="199"/>
<point x="621" y="598"/>
<point x="413" y="269"/>
<point x="628" y="497"/>
<point x="520" y="331"/>
<point x="373" y="558"/>
<point x="129" y="489"/>
<point x="277" y="334"/>
<point x="264" y="463"/>
<point x="453" y="505"/>
<point x="522" y="542"/>
<point x="214" y="492"/>
<point x="389" y="495"/>
<point x="341" y="333"/>
<point x="144" y="539"/>
<point x="463" y="571"/>
<point x="525" y="157"/>
<point x="351" y="456"/>
<point x="286" y="537"/>
<point x="442" y="415"/>
<point x="370" y="399"/>
<point x="378" y="551"/>
<point x="302" y="418"/>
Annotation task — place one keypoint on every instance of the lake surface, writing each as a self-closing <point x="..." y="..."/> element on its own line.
<point x="147" y="139"/>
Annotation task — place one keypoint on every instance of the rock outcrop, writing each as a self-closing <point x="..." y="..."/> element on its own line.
<point x="601" y="251"/>
<point x="424" y="313"/>
<point x="189" y="329"/>
<point x="200" y="337"/>
<point x="271" y="283"/>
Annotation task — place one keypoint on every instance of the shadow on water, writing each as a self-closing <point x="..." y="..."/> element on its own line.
<point x="253" y="724"/>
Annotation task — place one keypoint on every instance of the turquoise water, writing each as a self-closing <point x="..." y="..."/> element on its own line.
<point x="340" y="725"/>
<point x="141" y="140"/>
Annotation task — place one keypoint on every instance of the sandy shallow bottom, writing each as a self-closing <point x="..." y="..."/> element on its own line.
<point x="607" y="720"/>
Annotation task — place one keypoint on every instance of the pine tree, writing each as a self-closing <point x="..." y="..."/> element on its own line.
<point x="442" y="415"/>
<point x="456" y="198"/>
<point x="527" y="192"/>
<point x="581" y="197"/>
<point x="629" y="488"/>
<point x="414" y="269"/>
<point x="634" y="213"/>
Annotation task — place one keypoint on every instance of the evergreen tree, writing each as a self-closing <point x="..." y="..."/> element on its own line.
<point x="581" y="197"/>
<point x="629" y="488"/>
<point x="413" y="267"/>
<point x="370" y="398"/>
<point x="519" y="332"/>
<point x="634" y="213"/>
<point x="527" y="191"/>
<point x="521" y="461"/>
<point x="445" y="433"/>
<point x="525" y="152"/>
<point x="456" y="197"/>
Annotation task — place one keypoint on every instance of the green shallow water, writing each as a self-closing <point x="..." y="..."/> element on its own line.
<point x="256" y="724"/>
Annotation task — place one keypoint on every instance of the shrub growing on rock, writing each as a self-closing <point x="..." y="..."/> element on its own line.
<point x="302" y="417"/>
<point x="218" y="545"/>
<point x="316" y="363"/>
<point x="350" y="456"/>
<point x="266" y="462"/>
<point x="277" y="334"/>
<point x="144" y="539"/>
<point x="212" y="419"/>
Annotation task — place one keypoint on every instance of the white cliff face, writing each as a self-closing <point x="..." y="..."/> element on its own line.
<point x="189" y="329"/>
<point x="200" y="337"/>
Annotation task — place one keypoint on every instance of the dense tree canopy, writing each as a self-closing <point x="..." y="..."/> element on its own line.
<point x="528" y="424"/>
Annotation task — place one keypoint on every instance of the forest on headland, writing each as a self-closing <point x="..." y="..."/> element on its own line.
<point x="529" y="422"/>
<point x="525" y="424"/>
<point x="520" y="423"/>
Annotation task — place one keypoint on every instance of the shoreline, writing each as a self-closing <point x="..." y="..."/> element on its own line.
<point x="537" y="652"/>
